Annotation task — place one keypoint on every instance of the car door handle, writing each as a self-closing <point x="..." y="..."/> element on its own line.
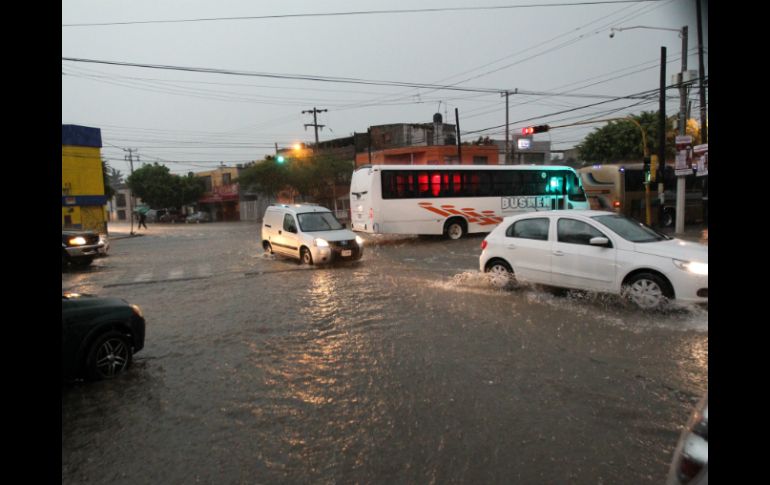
<point x="558" y="253"/>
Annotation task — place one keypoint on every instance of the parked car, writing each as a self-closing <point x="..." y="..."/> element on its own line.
<point x="79" y="248"/>
<point x="597" y="251"/>
<point x="690" y="464"/>
<point x="198" y="217"/>
<point x="309" y="233"/>
<point x="99" y="335"/>
<point x="170" y="215"/>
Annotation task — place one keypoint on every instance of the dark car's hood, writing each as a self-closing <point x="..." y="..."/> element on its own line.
<point x="83" y="302"/>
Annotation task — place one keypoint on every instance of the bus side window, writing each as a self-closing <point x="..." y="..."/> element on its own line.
<point x="457" y="185"/>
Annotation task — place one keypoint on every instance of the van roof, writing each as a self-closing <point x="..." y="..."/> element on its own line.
<point x="300" y="208"/>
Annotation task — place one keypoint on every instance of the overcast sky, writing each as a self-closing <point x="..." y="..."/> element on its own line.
<point x="192" y="121"/>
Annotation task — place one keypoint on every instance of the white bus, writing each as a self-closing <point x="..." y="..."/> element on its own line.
<point x="455" y="200"/>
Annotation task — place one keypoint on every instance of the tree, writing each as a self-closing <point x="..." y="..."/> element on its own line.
<point x="158" y="187"/>
<point x="314" y="177"/>
<point x="115" y="177"/>
<point x="268" y="177"/>
<point x="109" y="190"/>
<point x="622" y="140"/>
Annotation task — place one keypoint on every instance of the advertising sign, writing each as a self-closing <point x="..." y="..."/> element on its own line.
<point x="701" y="153"/>
<point x="683" y="165"/>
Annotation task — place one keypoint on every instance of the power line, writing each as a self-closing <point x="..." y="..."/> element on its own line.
<point x="361" y="12"/>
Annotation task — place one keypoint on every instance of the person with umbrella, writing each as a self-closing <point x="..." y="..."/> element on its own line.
<point x="142" y="214"/>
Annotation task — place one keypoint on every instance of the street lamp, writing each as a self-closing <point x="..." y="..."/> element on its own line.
<point x="680" y="185"/>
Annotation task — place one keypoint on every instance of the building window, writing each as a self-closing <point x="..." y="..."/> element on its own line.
<point x="120" y="200"/>
<point x="451" y="160"/>
<point x="207" y="183"/>
<point x="225" y="179"/>
<point x="121" y="215"/>
<point x="480" y="160"/>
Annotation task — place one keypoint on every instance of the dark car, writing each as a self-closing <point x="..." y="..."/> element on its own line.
<point x="198" y="217"/>
<point x="691" y="457"/>
<point x="99" y="336"/>
<point x="79" y="248"/>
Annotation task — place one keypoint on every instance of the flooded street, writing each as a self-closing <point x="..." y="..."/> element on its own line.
<point x="406" y="367"/>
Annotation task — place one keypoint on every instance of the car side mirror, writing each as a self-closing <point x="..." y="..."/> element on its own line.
<point x="599" y="241"/>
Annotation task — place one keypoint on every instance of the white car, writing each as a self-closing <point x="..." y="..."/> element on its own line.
<point x="596" y="251"/>
<point x="309" y="233"/>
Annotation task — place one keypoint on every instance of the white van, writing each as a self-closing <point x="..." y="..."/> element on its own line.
<point x="309" y="233"/>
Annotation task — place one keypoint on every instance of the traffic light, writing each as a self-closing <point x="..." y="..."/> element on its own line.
<point x="280" y="159"/>
<point x="531" y="130"/>
<point x="646" y="169"/>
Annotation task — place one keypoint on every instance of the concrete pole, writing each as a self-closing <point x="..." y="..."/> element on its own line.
<point x="680" y="181"/>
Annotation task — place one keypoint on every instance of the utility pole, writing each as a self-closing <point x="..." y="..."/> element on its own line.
<point x="680" y="180"/>
<point x="130" y="159"/>
<point x="315" y="124"/>
<point x="459" y="143"/>
<point x="703" y="116"/>
<point x="507" y="134"/>
<point x="662" y="133"/>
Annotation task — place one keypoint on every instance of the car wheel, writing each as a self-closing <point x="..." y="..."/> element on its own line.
<point x="267" y="247"/>
<point x="648" y="291"/>
<point x="500" y="274"/>
<point x="454" y="229"/>
<point x="81" y="262"/>
<point x="109" y="355"/>
<point x="669" y="217"/>
<point x="306" y="257"/>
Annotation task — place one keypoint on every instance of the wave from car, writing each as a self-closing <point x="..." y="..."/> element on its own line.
<point x="596" y="251"/>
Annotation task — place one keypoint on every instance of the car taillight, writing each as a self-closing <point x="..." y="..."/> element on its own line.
<point x="616" y="204"/>
<point x="484" y="244"/>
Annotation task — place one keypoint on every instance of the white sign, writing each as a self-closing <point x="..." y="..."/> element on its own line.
<point x="684" y="140"/>
<point x="526" y="202"/>
<point x="524" y="143"/>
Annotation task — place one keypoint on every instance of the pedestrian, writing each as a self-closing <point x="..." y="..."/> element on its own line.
<point x="142" y="220"/>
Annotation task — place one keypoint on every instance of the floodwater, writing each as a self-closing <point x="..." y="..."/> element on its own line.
<point x="406" y="367"/>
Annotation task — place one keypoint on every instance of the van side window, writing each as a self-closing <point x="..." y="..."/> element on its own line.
<point x="289" y="224"/>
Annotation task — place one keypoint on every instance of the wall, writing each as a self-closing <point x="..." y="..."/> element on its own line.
<point x="83" y="199"/>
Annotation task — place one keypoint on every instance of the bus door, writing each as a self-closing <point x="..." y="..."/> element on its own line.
<point x="556" y="189"/>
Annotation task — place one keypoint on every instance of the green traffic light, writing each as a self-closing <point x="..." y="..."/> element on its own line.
<point x="280" y="159"/>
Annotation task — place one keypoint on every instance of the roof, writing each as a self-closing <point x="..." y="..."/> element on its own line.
<point x="465" y="167"/>
<point x="300" y="208"/>
<point x="568" y="212"/>
<point x="83" y="136"/>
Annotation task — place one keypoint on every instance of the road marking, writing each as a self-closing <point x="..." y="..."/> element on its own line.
<point x="142" y="277"/>
<point x="152" y="282"/>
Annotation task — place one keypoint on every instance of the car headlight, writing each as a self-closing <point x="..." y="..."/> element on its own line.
<point x="137" y="310"/>
<point x="321" y="243"/>
<point x="360" y="241"/>
<point x="77" y="241"/>
<point x="692" y="267"/>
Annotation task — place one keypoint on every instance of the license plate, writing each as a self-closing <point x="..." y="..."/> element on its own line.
<point x="347" y="252"/>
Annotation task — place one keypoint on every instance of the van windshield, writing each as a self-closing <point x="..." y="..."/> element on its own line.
<point x="319" y="221"/>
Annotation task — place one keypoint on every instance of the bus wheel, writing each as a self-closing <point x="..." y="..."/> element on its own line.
<point x="454" y="228"/>
<point x="669" y="217"/>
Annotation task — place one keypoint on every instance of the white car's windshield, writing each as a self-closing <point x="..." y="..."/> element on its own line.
<point x="630" y="229"/>
<point x="319" y="221"/>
